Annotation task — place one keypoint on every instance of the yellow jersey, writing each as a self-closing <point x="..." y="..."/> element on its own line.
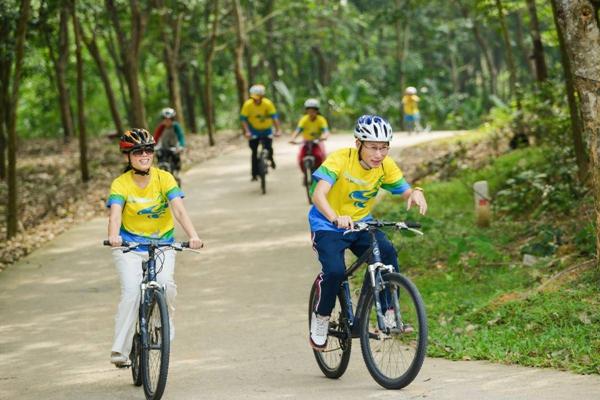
<point x="312" y="129"/>
<point x="411" y="104"/>
<point x="146" y="215"/>
<point x="353" y="188"/>
<point x="259" y="116"/>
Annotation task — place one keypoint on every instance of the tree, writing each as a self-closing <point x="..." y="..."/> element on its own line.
<point x="541" y="71"/>
<point x="579" y="24"/>
<point x="170" y="29"/>
<point x="10" y="120"/>
<point x="208" y="67"/>
<point x="238" y="51"/>
<point x="60" y="60"/>
<point x="83" y="163"/>
<point x="129" y="51"/>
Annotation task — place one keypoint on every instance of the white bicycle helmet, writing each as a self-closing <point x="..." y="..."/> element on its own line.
<point x="411" y="90"/>
<point x="257" y="90"/>
<point x="311" y="103"/>
<point x="168" y="112"/>
<point x="373" y="128"/>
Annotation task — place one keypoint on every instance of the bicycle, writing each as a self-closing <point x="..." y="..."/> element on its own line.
<point x="168" y="160"/>
<point x="152" y="339"/>
<point x="308" y="164"/>
<point x="400" y="341"/>
<point x="263" y="162"/>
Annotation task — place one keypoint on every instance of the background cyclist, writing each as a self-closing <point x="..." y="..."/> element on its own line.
<point x="258" y="115"/>
<point x="142" y="202"/>
<point x="312" y="126"/>
<point x="410" y="102"/>
<point x="347" y="183"/>
<point x="169" y="134"/>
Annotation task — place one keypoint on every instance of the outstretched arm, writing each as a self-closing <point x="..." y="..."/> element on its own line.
<point x="181" y="215"/>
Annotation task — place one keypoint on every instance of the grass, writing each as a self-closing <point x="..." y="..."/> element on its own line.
<point x="482" y="302"/>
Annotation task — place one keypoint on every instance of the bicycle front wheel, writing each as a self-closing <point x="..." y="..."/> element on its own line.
<point x="156" y="347"/>
<point x="308" y="170"/>
<point x="135" y="356"/>
<point x="262" y="172"/>
<point x="334" y="359"/>
<point x="394" y="357"/>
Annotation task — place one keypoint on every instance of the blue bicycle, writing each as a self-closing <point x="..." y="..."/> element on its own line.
<point x="393" y="341"/>
<point x="152" y="339"/>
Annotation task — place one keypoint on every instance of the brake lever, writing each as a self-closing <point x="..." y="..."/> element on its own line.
<point x="402" y="225"/>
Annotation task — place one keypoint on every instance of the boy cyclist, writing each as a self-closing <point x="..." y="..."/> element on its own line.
<point x="258" y="115"/>
<point x="347" y="183"/>
<point x="312" y="126"/>
<point x="169" y="135"/>
<point x="142" y="202"/>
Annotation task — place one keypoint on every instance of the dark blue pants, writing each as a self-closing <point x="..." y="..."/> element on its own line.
<point x="330" y="246"/>
<point x="253" y="143"/>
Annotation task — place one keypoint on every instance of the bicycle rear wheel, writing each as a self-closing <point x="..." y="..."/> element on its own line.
<point x="262" y="171"/>
<point x="135" y="357"/>
<point x="308" y="170"/>
<point x="155" y="351"/>
<point x="394" y="358"/>
<point x="334" y="360"/>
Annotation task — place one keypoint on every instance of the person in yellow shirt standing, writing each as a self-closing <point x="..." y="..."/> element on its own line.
<point x="258" y="115"/>
<point x="412" y="118"/>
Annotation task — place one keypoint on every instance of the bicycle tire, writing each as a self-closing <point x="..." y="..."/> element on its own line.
<point x="135" y="357"/>
<point x="377" y="345"/>
<point x="158" y="340"/>
<point x="262" y="172"/>
<point x="334" y="360"/>
<point x="308" y="169"/>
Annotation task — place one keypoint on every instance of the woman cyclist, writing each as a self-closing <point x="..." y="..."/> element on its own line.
<point x="347" y="183"/>
<point x="142" y="202"/>
<point x="312" y="126"/>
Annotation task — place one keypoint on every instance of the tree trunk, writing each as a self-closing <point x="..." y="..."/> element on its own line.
<point x="92" y="46"/>
<point x="208" y="60"/>
<point x="110" y="45"/>
<point x="11" y="207"/>
<point x="577" y="20"/>
<point x="5" y="67"/>
<point x="238" y="51"/>
<point x="491" y="68"/>
<point x="60" y="66"/>
<point x="576" y="125"/>
<point x="189" y="98"/>
<point x="83" y="161"/>
<point x="541" y="71"/>
<point x="519" y="136"/>
<point x="170" y="29"/>
<point x="129" y="48"/>
<point x="520" y="42"/>
<point x="399" y="60"/>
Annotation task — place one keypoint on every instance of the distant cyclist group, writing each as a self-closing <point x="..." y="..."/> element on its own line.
<point x="144" y="201"/>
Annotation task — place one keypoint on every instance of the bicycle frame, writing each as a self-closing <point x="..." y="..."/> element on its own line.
<point x="147" y="286"/>
<point x="374" y="271"/>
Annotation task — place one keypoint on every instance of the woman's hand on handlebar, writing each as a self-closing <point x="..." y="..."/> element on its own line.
<point x="196" y="243"/>
<point x="115" y="241"/>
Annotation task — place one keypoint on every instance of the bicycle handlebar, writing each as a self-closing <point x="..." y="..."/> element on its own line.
<point x="128" y="246"/>
<point x="374" y="224"/>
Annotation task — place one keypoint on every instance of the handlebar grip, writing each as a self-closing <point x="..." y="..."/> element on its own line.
<point x="123" y="243"/>
<point x="185" y="245"/>
<point x="413" y="224"/>
<point x="106" y="243"/>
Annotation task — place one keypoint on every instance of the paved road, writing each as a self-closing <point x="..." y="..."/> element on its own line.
<point x="241" y="316"/>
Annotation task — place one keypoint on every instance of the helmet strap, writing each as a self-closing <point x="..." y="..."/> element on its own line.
<point x="135" y="170"/>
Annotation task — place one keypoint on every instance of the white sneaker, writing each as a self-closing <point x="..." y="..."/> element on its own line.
<point x="119" y="359"/>
<point x="319" y="327"/>
<point x="389" y="319"/>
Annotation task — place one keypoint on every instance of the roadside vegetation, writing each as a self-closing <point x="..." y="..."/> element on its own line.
<point x="524" y="290"/>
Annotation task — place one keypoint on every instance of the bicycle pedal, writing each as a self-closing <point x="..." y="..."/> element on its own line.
<point x="123" y="365"/>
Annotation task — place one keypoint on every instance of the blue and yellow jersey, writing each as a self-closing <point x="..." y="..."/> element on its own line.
<point x="312" y="129"/>
<point x="353" y="188"/>
<point x="259" y="116"/>
<point x="146" y="215"/>
<point x="411" y="104"/>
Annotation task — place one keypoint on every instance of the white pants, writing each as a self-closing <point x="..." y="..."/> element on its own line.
<point x="129" y="267"/>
